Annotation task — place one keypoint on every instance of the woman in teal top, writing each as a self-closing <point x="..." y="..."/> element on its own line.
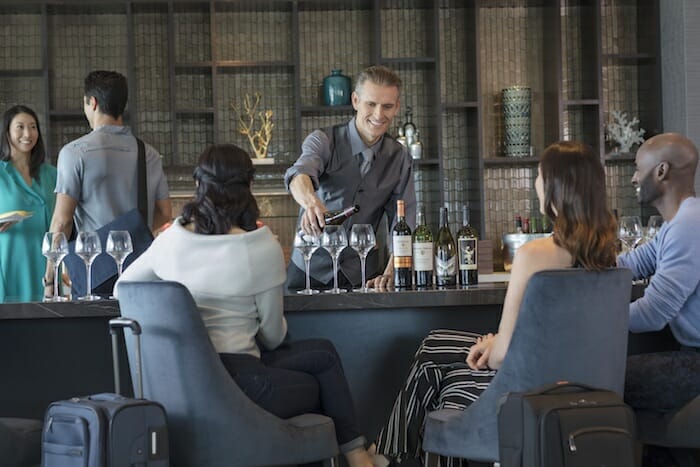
<point x="26" y="184"/>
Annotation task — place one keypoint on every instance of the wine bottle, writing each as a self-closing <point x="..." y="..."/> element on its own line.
<point x="467" y="244"/>
<point x="403" y="252"/>
<point x="518" y="224"/>
<point x="336" y="217"/>
<point x="422" y="252"/>
<point x="445" y="254"/>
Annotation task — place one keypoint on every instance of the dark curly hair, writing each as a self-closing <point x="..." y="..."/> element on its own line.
<point x="38" y="155"/>
<point x="574" y="186"/>
<point x="223" y="197"/>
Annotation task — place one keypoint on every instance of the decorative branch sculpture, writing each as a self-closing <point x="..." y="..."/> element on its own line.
<point x="259" y="138"/>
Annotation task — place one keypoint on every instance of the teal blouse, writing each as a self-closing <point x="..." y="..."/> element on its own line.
<point x="21" y="263"/>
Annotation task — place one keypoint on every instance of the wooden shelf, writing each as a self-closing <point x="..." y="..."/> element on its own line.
<point x="510" y="161"/>
<point x="620" y="157"/>
<point x="630" y="57"/>
<point x="204" y="111"/>
<point x="224" y="64"/>
<point x="326" y="109"/>
<point x="37" y="72"/>
<point x="433" y="161"/>
<point x="581" y="102"/>
<point x="460" y="105"/>
<point x="408" y="60"/>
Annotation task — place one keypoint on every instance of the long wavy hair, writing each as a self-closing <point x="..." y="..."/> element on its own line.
<point x="38" y="154"/>
<point x="575" y="202"/>
<point x="223" y="197"/>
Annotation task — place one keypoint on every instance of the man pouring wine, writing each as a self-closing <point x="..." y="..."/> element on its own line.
<point x="354" y="163"/>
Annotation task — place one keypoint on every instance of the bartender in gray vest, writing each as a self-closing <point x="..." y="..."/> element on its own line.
<point x="353" y="163"/>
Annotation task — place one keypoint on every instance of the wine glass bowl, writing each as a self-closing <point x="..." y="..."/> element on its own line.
<point x="54" y="247"/>
<point x="119" y="246"/>
<point x="362" y="240"/>
<point x="87" y="247"/>
<point x="630" y="232"/>
<point x="334" y="240"/>
<point x="307" y="244"/>
<point x="653" y="226"/>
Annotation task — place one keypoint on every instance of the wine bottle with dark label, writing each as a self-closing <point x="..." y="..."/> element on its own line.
<point x="422" y="252"/>
<point x="445" y="254"/>
<point x="402" y="248"/>
<point x="467" y="244"/>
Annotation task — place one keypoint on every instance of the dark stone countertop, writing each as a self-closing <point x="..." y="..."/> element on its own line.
<point x="43" y="310"/>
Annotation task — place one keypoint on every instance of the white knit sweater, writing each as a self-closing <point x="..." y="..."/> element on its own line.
<point x="237" y="280"/>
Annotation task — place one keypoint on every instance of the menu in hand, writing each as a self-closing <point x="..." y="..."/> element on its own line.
<point x="14" y="216"/>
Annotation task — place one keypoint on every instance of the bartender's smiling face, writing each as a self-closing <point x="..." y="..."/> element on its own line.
<point x="376" y="106"/>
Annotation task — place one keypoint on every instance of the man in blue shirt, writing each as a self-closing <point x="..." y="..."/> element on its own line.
<point x="664" y="178"/>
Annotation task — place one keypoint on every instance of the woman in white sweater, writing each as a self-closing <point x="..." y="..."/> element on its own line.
<point x="235" y="270"/>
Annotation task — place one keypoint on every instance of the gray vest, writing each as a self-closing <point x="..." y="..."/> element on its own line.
<point x="340" y="186"/>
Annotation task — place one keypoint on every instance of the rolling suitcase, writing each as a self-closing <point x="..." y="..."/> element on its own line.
<point x="107" y="430"/>
<point x="565" y="425"/>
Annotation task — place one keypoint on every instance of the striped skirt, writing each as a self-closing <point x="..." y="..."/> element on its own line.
<point x="439" y="378"/>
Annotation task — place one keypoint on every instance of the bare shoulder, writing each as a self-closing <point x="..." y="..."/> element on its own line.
<point x="540" y="254"/>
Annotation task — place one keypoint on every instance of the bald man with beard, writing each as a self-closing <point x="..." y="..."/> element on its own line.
<point x="664" y="178"/>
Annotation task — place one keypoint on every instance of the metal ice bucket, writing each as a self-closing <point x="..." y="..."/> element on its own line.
<point x="511" y="242"/>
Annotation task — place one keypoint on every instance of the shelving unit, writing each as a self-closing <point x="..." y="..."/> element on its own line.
<point x="188" y="61"/>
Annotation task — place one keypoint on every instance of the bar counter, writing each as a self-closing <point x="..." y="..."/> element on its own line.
<point x="52" y="351"/>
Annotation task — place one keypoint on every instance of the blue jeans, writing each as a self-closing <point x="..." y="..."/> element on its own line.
<point x="299" y="377"/>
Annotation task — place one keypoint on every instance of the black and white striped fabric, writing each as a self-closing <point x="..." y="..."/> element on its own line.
<point x="439" y="378"/>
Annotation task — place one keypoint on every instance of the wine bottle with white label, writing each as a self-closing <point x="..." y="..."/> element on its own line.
<point x="422" y="252"/>
<point x="402" y="249"/>
<point x="467" y="240"/>
<point x="445" y="254"/>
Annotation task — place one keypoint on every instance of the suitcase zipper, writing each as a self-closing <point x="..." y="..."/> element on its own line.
<point x="594" y="429"/>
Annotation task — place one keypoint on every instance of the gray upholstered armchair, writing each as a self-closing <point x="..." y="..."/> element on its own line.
<point x="572" y="326"/>
<point x="211" y="422"/>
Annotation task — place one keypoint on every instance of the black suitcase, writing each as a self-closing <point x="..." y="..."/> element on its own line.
<point x="565" y="425"/>
<point x="107" y="430"/>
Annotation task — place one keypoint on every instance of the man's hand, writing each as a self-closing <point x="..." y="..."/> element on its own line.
<point x="384" y="282"/>
<point x="313" y="222"/>
<point x="478" y="357"/>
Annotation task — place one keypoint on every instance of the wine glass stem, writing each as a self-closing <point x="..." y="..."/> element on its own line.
<point x="307" y="263"/>
<point x="120" y="266"/>
<point x="335" y="273"/>
<point x="88" y="268"/>
<point x="55" y="280"/>
<point x="364" y="278"/>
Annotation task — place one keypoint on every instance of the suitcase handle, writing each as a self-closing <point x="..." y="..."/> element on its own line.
<point x="563" y="386"/>
<point x="114" y="325"/>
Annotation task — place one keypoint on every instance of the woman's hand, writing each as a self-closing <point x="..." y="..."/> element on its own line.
<point x="5" y="226"/>
<point x="478" y="357"/>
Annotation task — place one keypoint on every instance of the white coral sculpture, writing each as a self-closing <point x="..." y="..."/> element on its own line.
<point x="623" y="132"/>
<point x="259" y="138"/>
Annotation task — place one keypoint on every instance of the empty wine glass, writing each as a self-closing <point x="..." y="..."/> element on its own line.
<point x="55" y="247"/>
<point x="362" y="240"/>
<point x="119" y="246"/>
<point x="334" y="240"/>
<point x="87" y="247"/>
<point x="630" y="232"/>
<point x="653" y="226"/>
<point x="307" y="244"/>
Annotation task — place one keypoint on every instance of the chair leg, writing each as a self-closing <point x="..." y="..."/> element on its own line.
<point x="332" y="462"/>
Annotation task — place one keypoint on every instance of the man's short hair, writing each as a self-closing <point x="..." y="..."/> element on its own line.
<point x="110" y="90"/>
<point x="379" y="75"/>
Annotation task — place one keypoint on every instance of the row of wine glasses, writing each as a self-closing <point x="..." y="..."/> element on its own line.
<point x="334" y="240"/>
<point x="631" y="232"/>
<point x="87" y="246"/>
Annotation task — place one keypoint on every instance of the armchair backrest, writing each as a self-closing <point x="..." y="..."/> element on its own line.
<point x="572" y="326"/>
<point x="210" y="420"/>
